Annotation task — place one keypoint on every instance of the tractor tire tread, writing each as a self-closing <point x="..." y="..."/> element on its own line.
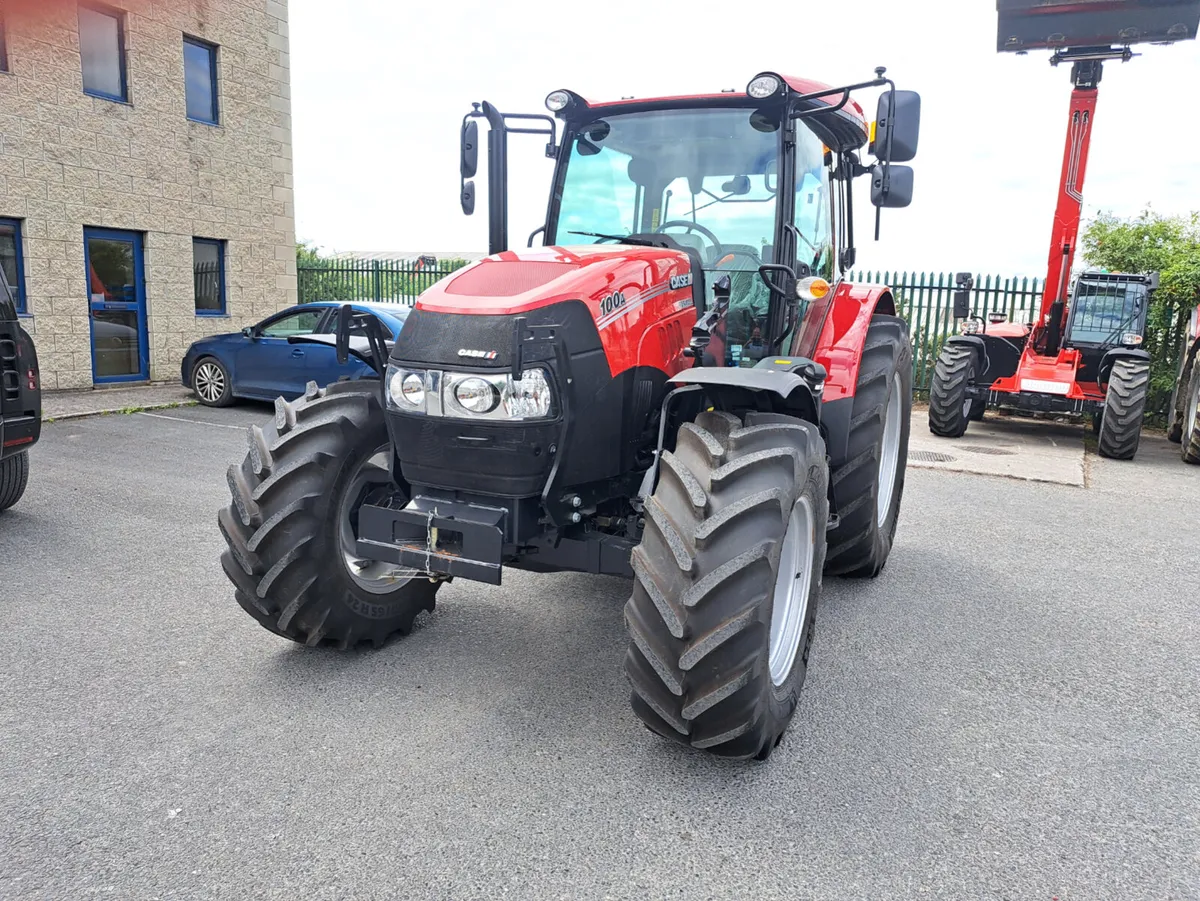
<point x="1124" y="409"/>
<point x="952" y="375"/>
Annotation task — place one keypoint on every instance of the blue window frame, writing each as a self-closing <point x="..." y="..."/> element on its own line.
<point x="200" y="80"/>
<point x="208" y="268"/>
<point x="102" y="52"/>
<point x="12" y="259"/>
<point x="3" y="45"/>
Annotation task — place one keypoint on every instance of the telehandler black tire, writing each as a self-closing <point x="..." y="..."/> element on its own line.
<point x="950" y="408"/>
<point x="868" y="482"/>
<point x="1124" y="407"/>
<point x="14" y="476"/>
<point x="290" y="526"/>
<point x="726" y="582"/>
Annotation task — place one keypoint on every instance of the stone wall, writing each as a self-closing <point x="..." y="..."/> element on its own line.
<point x="69" y="160"/>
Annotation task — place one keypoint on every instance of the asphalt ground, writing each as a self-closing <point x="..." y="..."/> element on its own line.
<point x="1010" y="711"/>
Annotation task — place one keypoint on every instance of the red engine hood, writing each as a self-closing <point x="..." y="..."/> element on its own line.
<point x="519" y="280"/>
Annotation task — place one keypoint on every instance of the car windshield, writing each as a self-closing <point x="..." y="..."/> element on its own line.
<point x="706" y="177"/>
<point x="1102" y="310"/>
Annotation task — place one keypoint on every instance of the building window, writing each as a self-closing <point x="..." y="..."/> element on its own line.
<point x="208" y="268"/>
<point x="200" y="79"/>
<point x="102" y="48"/>
<point x="11" y="259"/>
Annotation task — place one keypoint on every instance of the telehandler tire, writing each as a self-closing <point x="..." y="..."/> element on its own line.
<point x="869" y="482"/>
<point x="291" y="524"/>
<point x="1124" y="406"/>
<point x="1190" y="433"/>
<point x="950" y="408"/>
<point x="726" y="582"/>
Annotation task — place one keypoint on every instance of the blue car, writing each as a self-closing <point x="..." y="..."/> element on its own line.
<point x="259" y="363"/>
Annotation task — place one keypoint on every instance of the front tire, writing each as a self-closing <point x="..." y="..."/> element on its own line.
<point x="868" y="483"/>
<point x="950" y="407"/>
<point x="726" y="583"/>
<point x="14" y="476"/>
<point x="1124" y="407"/>
<point x="291" y="525"/>
<point x="211" y="383"/>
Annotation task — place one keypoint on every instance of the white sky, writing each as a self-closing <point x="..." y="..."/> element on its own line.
<point x="379" y="89"/>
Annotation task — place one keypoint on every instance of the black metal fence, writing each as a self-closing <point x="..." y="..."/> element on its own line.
<point x="383" y="281"/>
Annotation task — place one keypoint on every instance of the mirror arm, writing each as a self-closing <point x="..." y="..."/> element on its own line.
<point x="533" y="234"/>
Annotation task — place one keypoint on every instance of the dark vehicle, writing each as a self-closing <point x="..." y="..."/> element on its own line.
<point x="691" y="397"/>
<point x="259" y="363"/>
<point x="1058" y="362"/>
<point x="20" y="399"/>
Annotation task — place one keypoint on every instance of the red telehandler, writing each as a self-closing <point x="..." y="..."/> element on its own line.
<point x="1082" y="354"/>
<point x="680" y="387"/>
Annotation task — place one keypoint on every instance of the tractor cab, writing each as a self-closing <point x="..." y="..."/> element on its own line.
<point x="1107" y="312"/>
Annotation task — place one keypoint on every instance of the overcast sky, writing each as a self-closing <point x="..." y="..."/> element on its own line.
<point x="379" y="90"/>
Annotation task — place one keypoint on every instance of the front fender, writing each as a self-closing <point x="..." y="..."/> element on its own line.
<point x="1118" y="353"/>
<point x="789" y="385"/>
<point x="837" y="331"/>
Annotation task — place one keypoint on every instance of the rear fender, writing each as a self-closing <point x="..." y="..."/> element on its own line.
<point x="843" y="332"/>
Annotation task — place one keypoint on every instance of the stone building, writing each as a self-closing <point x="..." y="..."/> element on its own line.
<point x="145" y="178"/>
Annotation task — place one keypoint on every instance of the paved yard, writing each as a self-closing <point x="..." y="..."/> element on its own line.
<point x="1010" y="711"/>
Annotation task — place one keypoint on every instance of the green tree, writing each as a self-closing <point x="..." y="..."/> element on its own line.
<point x="1170" y="246"/>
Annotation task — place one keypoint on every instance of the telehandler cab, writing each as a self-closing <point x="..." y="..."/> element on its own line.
<point x="679" y="387"/>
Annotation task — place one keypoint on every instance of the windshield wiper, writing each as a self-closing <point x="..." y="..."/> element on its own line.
<point x="620" y="239"/>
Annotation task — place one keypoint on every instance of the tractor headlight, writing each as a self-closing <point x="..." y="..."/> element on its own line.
<point x="1131" y="339"/>
<point x="529" y="396"/>
<point x="763" y="87"/>
<point x="406" y="389"/>
<point x="497" y="398"/>
<point x="477" y="395"/>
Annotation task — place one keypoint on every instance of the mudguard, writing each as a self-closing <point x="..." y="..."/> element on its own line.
<point x="792" y="385"/>
<point x="1118" y="353"/>
<point x="838" y="332"/>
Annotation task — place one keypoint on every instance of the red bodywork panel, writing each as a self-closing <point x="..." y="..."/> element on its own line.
<point x="1063" y="239"/>
<point x="1037" y="374"/>
<point x="651" y="322"/>
<point x="642" y="320"/>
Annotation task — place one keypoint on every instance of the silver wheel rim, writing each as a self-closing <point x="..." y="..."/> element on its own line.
<point x="890" y="452"/>
<point x="373" y="576"/>
<point x="210" y="382"/>
<point x="789" y="608"/>
<point x="1192" y="405"/>
<point x="966" y="407"/>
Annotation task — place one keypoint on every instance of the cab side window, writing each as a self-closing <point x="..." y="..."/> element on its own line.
<point x="814" y="246"/>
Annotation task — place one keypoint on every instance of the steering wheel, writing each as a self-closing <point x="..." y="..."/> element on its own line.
<point x="717" y="248"/>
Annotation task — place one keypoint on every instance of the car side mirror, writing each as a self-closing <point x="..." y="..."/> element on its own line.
<point x="248" y="331"/>
<point x="899" y="113"/>
<point x="468" y="198"/>
<point x="897" y="192"/>
<point x="468" y="162"/>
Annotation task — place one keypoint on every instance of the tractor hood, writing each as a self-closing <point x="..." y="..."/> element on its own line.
<point x="606" y="277"/>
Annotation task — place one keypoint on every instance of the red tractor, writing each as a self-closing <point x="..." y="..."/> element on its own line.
<point x="1082" y="354"/>
<point x="692" y="397"/>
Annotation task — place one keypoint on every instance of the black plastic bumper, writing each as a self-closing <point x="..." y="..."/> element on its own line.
<point x="436" y="536"/>
<point x="18" y="434"/>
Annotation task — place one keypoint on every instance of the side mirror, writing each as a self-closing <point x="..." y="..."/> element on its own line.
<point x="468" y="198"/>
<point x="738" y="185"/>
<point x="248" y="331"/>
<point x="345" y="316"/>
<point x="964" y="281"/>
<point x="904" y="122"/>
<point x="899" y="191"/>
<point x="468" y="162"/>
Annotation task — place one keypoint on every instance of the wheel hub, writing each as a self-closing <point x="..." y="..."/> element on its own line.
<point x="889" y="458"/>
<point x="210" y="382"/>
<point x="373" y="576"/>
<point x="789" y="608"/>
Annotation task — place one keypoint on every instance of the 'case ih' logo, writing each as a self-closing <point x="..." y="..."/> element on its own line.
<point x="681" y="281"/>
<point x="477" y="354"/>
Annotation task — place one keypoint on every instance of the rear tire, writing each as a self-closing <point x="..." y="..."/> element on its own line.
<point x="868" y="483"/>
<point x="1190" y="432"/>
<point x="950" y="408"/>
<point x="719" y="640"/>
<point x="1124" y="407"/>
<point x="294" y="507"/>
<point x="14" y="476"/>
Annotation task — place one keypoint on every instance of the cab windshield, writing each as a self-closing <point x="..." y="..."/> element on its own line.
<point x="1103" y="310"/>
<point x="706" y="177"/>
